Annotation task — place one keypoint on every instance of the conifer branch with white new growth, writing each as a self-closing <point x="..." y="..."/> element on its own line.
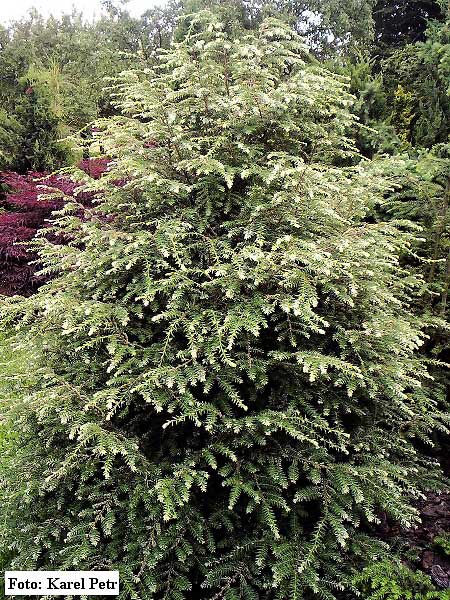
<point x="220" y="389"/>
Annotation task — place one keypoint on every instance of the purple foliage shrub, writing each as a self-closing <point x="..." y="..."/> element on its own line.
<point x="23" y="212"/>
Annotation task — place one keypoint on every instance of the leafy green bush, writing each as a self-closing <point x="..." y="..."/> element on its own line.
<point x="40" y="148"/>
<point x="10" y="138"/>
<point x="391" y="580"/>
<point x="442" y="541"/>
<point x="219" y="389"/>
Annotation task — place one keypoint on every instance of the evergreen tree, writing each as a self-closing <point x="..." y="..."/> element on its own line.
<point x="10" y="139"/>
<point x="398" y="22"/>
<point x="40" y="148"/>
<point x="333" y="27"/>
<point x="65" y="62"/>
<point x="422" y="195"/>
<point x="219" y="389"/>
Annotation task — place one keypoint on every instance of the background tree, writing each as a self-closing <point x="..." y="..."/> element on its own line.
<point x="399" y="22"/>
<point x="40" y="146"/>
<point x="65" y="61"/>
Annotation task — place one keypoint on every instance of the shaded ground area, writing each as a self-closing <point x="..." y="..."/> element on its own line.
<point x="435" y="515"/>
<point x="431" y="538"/>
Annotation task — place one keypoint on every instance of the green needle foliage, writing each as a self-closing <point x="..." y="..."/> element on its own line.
<point x="392" y="580"/>
<point x="219" y="389"/>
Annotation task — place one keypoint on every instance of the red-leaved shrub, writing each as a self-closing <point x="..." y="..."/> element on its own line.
<point x="23" y="213"/>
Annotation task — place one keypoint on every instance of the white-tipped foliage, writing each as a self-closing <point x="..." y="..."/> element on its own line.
<point x="220" y="390"/>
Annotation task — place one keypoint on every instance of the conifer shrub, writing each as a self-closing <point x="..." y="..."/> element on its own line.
<point x="10" y="139"/>
<point x="389" y="579"/>
<point x="40" y="147"/>
<point x="219" y="389"/>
